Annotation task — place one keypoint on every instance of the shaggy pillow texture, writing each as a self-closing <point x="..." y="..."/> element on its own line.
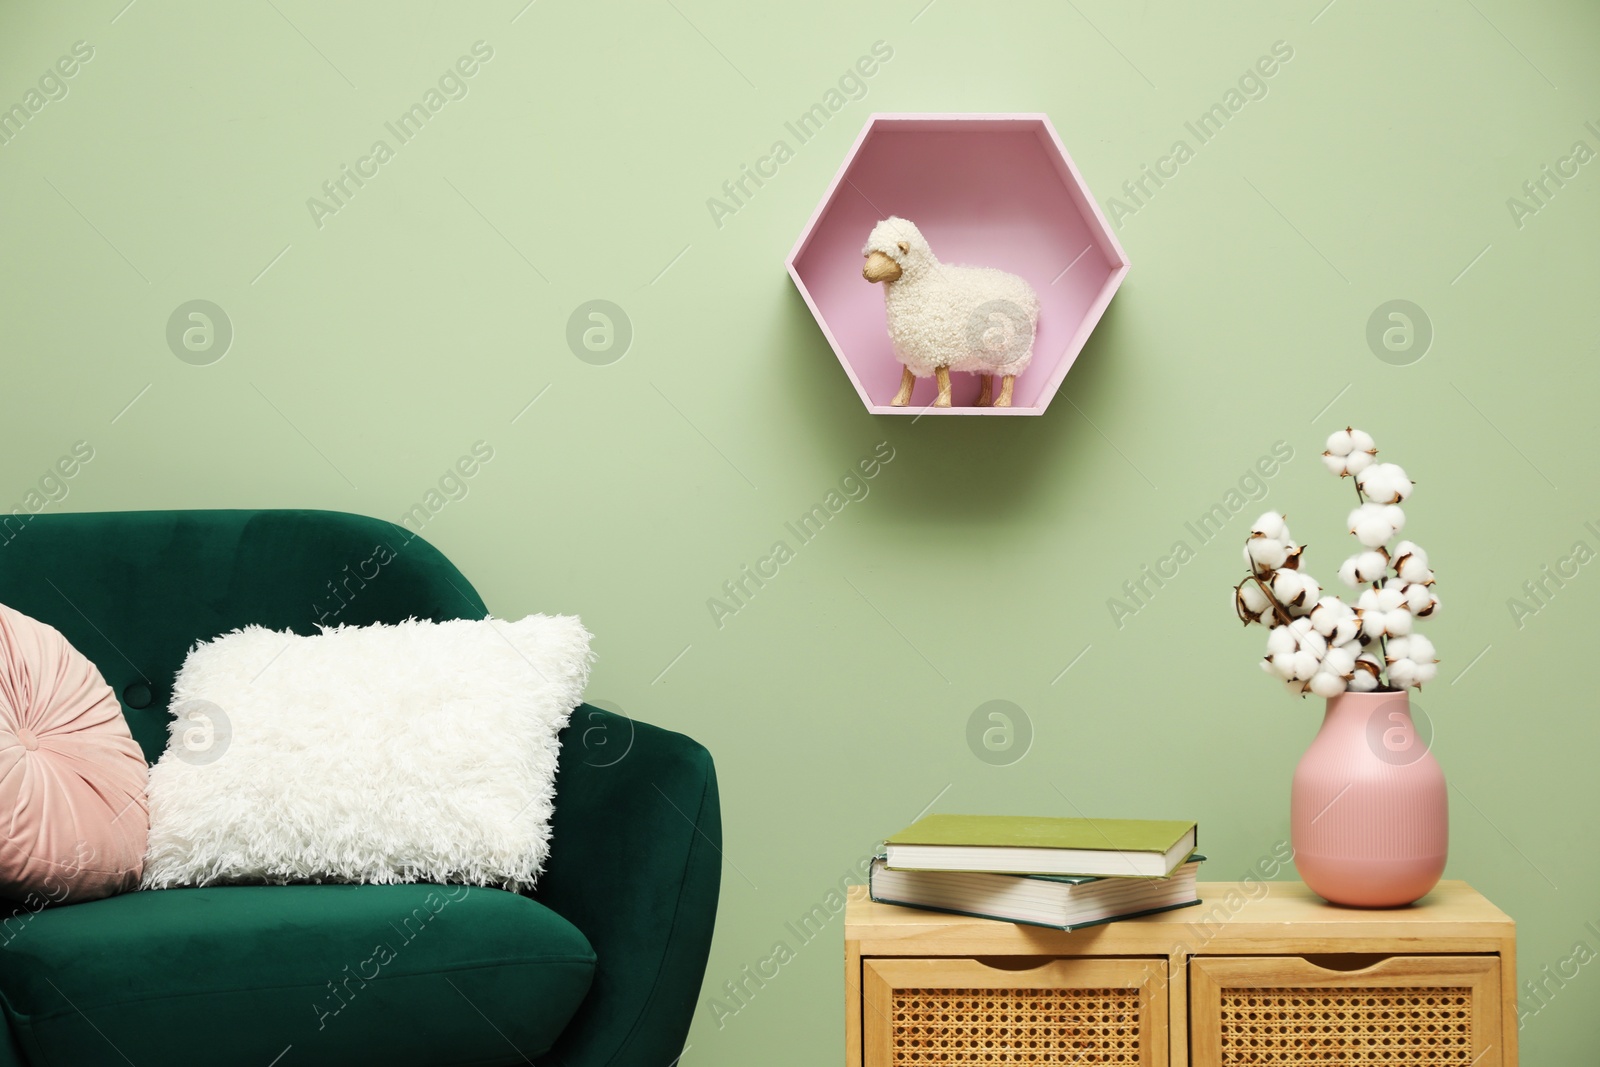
<point x="419" y="752"/>
<point x="71" y="776"/>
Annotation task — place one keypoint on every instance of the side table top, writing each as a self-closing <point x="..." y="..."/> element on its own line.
<point x="1228" y="910"/>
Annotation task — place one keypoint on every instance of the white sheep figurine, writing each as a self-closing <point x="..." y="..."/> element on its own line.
<point x="945" y="318"/>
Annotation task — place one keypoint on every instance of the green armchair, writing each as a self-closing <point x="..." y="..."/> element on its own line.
<point x="600" y="965"/>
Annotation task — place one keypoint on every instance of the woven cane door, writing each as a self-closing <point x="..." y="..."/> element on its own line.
<point x="926" y="1012"/>
<point x="1403" y="1011"/>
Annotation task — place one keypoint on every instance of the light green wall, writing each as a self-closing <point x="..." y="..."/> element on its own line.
<point x="425" y="314"/>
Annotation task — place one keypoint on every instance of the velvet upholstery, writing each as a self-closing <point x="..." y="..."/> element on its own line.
<point x="392" y="974"/>
<point x="635" y="859"/>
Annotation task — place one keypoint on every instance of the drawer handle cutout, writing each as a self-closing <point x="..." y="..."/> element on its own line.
<point x="1015" y="963"/>
<point x="1346" y="961"/>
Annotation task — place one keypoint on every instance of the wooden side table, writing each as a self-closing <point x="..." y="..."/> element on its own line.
<point x="1259" y="973"/>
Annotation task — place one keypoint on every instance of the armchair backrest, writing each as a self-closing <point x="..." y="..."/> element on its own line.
<point x="135" y="590"/>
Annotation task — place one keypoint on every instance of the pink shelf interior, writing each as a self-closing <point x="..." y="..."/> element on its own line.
<point x="991" y="191"/>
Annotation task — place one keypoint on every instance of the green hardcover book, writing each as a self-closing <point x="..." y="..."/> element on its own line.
<point x="1021" y="844"/>
<point x="1057" y="901"/>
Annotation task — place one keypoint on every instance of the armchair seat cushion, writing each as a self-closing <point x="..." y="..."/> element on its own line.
<point x="395" y="974"/>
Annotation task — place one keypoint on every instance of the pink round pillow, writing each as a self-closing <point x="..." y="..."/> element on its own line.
<point x="72" y="779"/>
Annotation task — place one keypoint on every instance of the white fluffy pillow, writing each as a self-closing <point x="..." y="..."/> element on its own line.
<point x="417" y="752"/>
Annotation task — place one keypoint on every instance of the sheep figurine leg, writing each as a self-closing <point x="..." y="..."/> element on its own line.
<point x="986" y="390"/>
<point x="907" y="382"/>
<point x="945" y="318"/>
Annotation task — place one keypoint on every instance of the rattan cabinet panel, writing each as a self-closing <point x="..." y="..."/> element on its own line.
<point x="921" y="1013"/>
<point x="1401" y="1011"/>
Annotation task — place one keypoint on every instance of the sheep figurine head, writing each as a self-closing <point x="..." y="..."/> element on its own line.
<point x="944" y="318"/>
<point x="894" y="247"/>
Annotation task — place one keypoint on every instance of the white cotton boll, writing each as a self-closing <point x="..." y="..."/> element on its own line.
<point x="1271" y="525"/>
<point x="1374" y="524"/>
<point x="1370" y="565"/>
<point x="1421" y="649"/>
<point x="1425" y="673"/>
<point x="1294" y="689"/>
<point x="1385" y="483"/>
<point x="1385" y="618"/>
<point x="1411" y="563"/>
<point x="1265" y="554"/>
<point x="1389" y="598"/>
<point x="1418" y="598"/>
<point x="1363" y="568"/>
<point x="1395" y="515"/>
<point x="1348" y="452"/>
<point x="1399" y="648"/>
<point x="1372" y="530"/>
<point x="1346" y="631"/>
<point x="1254" y="599"/>
<point x="1282" y="666"/>
<point x="1250" y="603"/>
<point x="1307" y="639"/>
<point x="1367" y="601"/>
<point x="1325" y="685"/>
<point x="1303" y="666"/>
<point x="1296" y="650"/>
<point x="1410" y="551"/>
<point x="1294" y="591"/>
<point x="1362" y="682"/>
<point x="1340" y="661"/>
<point x="1403" y="673"/>
<point x="1327" y="614"/>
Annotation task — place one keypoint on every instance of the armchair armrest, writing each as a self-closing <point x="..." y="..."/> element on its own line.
<point x="636" y="865"/>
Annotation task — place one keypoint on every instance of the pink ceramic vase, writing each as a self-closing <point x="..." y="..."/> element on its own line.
<point x="1369" y="816"/>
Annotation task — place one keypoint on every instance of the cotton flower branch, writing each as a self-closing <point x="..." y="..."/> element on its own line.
<point x="1319" y="644"/>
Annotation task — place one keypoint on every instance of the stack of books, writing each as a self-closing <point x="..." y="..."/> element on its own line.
<point x="1061" y="873"/>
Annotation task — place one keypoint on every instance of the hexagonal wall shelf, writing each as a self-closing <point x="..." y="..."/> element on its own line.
<point x="986" y="190"/>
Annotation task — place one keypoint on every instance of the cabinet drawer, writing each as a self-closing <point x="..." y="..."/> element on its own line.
<point x="918" y="1012"/>
<point x="1405" y="1011"/>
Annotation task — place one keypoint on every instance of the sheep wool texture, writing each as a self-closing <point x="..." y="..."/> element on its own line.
<point x="420" y="751"/>
<point x="974" y="319"/>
